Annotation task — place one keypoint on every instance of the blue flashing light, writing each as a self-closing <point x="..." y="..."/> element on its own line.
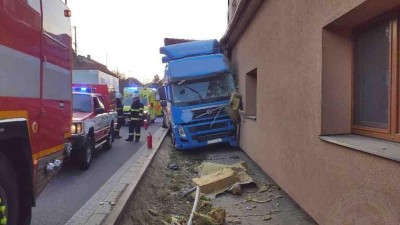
<point x="82" y="89"/>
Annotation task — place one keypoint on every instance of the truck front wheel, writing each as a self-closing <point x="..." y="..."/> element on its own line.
<point x="85" y="157"/>
<point x="164" y="122"/>
<point x="9" y="196"/>
<point x="173" y="139"/>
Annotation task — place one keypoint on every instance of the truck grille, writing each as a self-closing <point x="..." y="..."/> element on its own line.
<point x="208" y="112"/>
<point x="207" y="127"/>
<point x="207" y="137"/>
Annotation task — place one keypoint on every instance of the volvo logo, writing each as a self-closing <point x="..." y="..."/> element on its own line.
<point x="209" y="111"/>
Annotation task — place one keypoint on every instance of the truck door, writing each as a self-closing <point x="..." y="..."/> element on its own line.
<point x="56" y="92"/>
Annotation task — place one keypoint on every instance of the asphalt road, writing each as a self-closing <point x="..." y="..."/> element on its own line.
<point x="72" y="188"/>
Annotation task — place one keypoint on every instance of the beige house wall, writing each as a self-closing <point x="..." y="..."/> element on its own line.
<point x="302" y="51"/>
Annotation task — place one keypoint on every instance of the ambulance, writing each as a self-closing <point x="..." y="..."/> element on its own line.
<point x="151" y="98"/>
<point x="148" y="97"/>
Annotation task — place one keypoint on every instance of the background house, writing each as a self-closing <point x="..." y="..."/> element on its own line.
<point x="87" y="63"/>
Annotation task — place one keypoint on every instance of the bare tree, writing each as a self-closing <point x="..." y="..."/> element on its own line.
<point x="157" y="82"/>
<point x="118" y="74"/>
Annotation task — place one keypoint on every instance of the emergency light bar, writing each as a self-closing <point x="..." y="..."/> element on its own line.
<point x="83" y="89"/>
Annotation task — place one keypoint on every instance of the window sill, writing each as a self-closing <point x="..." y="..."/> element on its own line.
<point x="251" y="117"/>
<point x="386" y="149"/>
<point x="244" y="116"/>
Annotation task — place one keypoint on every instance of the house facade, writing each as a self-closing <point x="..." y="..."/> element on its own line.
<point x="321" y="114"/>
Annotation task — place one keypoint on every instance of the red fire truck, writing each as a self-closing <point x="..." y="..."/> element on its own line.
<point x="35" y="101"/>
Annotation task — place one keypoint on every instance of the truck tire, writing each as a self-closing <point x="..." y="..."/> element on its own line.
<point x="164" y="122"/>
<point x="85" y="154"/>
<point x="9" y="193"/>
<point x="110" y="139"/>
<point x="173" y="139"/>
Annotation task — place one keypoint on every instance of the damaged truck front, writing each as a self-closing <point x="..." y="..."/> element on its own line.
<point x="198" y="87"/>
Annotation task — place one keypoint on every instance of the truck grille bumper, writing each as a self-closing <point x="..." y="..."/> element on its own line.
<point x="195" y="129"/>
<point x="208" y="137"/>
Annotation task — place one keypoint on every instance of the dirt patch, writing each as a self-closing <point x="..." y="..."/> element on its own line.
<point x="158" y="196"/>
<point x="171" y="172"/>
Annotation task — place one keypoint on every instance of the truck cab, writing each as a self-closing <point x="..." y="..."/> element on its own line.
<point x="92" y="123"/>
<point x="197" y="92"/>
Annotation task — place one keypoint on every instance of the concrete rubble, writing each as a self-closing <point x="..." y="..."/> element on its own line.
<point x="217" y="178"/>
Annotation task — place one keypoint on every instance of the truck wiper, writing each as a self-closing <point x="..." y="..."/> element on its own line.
<point x="226" y="90"/>
<point x="181" y="84"/>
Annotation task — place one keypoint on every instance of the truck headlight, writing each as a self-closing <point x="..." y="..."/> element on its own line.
<point x="181" y="132"/>
<point x="77" y="128"/>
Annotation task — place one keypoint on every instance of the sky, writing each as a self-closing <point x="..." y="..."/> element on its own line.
<point x="127" y="34"/>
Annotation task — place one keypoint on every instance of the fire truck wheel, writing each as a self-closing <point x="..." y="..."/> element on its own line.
<point x="86" y="154"/>
<point x="9" y="197"/>
<point x="110" y="139"/>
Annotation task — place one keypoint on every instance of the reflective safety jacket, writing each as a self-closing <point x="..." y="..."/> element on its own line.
<point x="137" y="111"/>
<point x="120" y="110"/>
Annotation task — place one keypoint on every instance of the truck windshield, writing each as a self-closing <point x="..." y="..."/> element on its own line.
<point x="210" y="89"/>
<point x="82" y="103"/>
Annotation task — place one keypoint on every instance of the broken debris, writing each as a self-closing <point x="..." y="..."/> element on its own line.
<point x="267" y="218"/>
<point x="263" y="188"/>
<point x="236" y="189"/>
<point x="202" y="219"/>
<point x="153" y="212"/>
<point x="178" y="220"/>
<point x="250" y="198"/>
<point x="173" y="167"/>
<point x="218" y="178"/>
<point x="218" y="215"/>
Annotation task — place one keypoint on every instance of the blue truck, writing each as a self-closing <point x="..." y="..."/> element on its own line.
<point x="197" y="90"/>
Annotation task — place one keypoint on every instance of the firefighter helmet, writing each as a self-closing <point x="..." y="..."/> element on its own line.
<point x="136" y="96"/>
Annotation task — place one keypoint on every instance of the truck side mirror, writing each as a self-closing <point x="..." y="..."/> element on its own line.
<point x="163" y="104"/>
<point x="161" y="93"/>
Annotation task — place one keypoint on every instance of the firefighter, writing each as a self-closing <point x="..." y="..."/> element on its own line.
<point x="121" y="117"/>
<point x="136" y="118"/>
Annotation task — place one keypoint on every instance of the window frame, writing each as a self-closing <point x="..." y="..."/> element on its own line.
<point x="251" y="76"/>
<point x="392" y="132"/>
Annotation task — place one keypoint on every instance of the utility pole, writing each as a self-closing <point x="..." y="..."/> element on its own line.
<point x="76" y="43"/>
<point x="66" y="2"/>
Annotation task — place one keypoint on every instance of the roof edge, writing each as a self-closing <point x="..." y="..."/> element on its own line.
<point x="244" y="14"/>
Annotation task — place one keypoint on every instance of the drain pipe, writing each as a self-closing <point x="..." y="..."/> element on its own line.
<point x="196" y="202"/>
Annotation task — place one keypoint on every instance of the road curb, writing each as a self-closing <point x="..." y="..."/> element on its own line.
<point x="111" y="215"/>
<point x="110" y="200"/>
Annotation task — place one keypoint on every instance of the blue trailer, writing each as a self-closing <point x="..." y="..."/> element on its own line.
<point x="198" y="88"/>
